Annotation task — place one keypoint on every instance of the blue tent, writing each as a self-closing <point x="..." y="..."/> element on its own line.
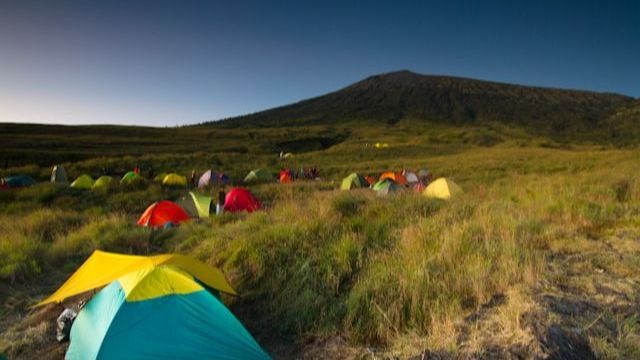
<point x="19" y="181"/>
<point x="161" y="312"/>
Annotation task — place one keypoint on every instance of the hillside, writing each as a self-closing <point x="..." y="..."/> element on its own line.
<point x="431" y="109"/>
<point x="394" y="96"/>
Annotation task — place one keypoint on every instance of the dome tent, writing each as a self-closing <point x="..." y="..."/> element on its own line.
<point x="160" y="177"/>
<point x="206" y="179"/>
<point x="83" y="181"/>
<point x="442" y="188"/>
<point x="258" y="175"/>
<point x="59" y="175"/>
<point x="196" y="205"/>
<point x="130" y="178"/>
<point x="411" y="177"/>
<point x="174" y="179"/>
<point x="385" y="187"/>
<point x="239" y="199"/>
<point x="19" y="181"/>
<point x="398" y="178"/>
<point x="160" y="213"/>
<point x="285" y="176"/>
<point x="154" y="307"/>
<point x="103" y="182"/>
<point x="353" y="181"/>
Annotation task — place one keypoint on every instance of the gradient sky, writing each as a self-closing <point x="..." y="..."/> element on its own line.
<point x="179" y="62"/>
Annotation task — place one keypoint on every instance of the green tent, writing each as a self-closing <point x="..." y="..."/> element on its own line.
<point x="160" y="177"/>
<point x="353" y="181"/>
<point x="258" y="175"/>
<point x="129" y="178"/>
<point x="195" y="204"/>
<point x="385" y="187"/>
<point x="103" y="182"/>
<point x="83" y="181"/>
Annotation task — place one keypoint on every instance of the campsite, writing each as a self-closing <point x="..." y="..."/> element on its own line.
<point x="530" y="244"/>
<point x="302" y="180"/>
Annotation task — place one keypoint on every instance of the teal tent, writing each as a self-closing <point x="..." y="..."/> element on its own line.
<point x="159" y="313"/>
<point x="19" y="181"/>
<point x="385" y="187"/>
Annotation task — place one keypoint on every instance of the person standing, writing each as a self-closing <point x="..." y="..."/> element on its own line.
<point x="193" y="178"/>
<point x="220" y="203"/>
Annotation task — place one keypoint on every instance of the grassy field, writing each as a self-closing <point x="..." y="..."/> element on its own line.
<point x="542" y="249"/>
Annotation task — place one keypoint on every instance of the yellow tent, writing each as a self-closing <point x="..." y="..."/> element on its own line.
<point x="101" y="268"/>
<point x="174" y="180"/>
<point x="83" y="181"/>
<point x="442" y="188"/>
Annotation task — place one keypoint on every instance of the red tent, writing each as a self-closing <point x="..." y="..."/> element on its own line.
<point x="160" y="213"/>
<point x="285" y="176"/>
<point x="239" y="199"/>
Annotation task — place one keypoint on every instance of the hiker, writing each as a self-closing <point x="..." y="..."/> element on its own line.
<point x="220" y="204"/>
<point x="193" y="178"/>
<point x="136" y="170"/>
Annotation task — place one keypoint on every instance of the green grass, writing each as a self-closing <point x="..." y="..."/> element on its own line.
<point x="401" y="273"/>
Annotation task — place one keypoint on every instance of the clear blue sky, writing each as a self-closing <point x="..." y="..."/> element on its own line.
<point x="178" y="62"/>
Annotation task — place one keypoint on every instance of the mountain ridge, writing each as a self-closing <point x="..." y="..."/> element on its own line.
<point x="398" y="95"/>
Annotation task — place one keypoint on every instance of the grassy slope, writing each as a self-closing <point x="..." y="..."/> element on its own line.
<point x="542" y="236"/>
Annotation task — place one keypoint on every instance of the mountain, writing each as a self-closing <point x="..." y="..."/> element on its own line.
<point x="391" y="97"/>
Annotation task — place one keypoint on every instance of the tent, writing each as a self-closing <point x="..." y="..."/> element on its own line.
<point x="411" y="177"/>
<point x="442" y="188"/>
<point x="160" y="213"/>
<point x="154" y="307"/>
<point x="174" y="179"/>
<point x="83" y="181"/>
<point x="103" y="267"/>
<point x="160" y="177"/>
<point x="196" y="205"/>
<point x="381" y="145"/>
<point x="129" y="178"/>
<point x="285" y="176"/>
<point x="239" y="199"/>
<point x="398" y="178"/>
<point x="423" y="174"/>
<point x="103" y="182"/>
<point x="59" y="175"/>
<point x="353" y="181"/>
<point x="19" y="181"/>
<point x="385" y="187"/>
<point x="206" y="179"/>
<point x="258" y="175"/>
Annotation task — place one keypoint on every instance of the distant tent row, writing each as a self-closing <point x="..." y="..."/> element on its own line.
<point x="151" y="307"/>
<point x="391" y="182"/>
<point x="193" y="205"/>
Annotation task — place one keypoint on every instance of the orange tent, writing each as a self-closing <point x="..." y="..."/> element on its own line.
<point x="285" y="176"/>
<point x="160" y="213"/>
<point x="398" y="178"/>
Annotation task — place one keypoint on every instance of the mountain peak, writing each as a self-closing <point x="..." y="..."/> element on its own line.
<point x="403" y="94"/>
